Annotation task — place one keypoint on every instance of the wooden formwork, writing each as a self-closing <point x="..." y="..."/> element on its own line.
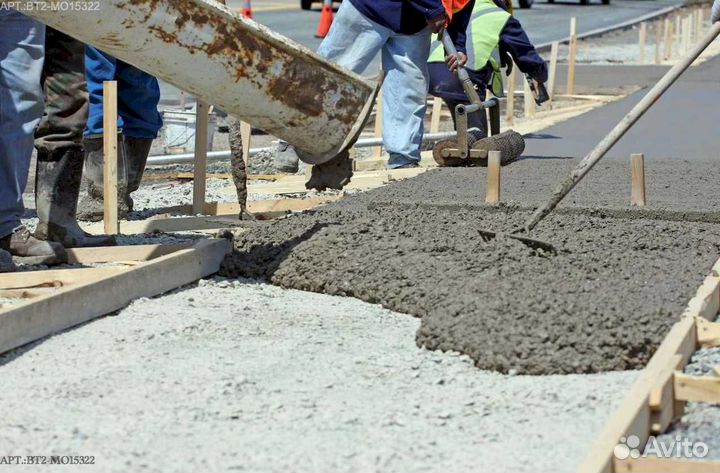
<point x="659" y="394"/>
<point x="40" y="303"/>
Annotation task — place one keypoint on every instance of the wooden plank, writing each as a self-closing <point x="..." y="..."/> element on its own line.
<point x="110" y="158"/>
<point x="510" y="103"/>
<point x="78" y="304"/>
<point x="378" y="150"/>
<point x="435" y="115"/>
<point x="697" y="388"/>
<point x="662" y="398"/>
<point x="642" y="40"/>
<point x="708" y="333"/>
<point x="493" y="178"/>
<point x="665" y="465"/>
<point x="246" y="137"/>
<point x="572" y="56"/>
<point x="637" y="173"/>
<point x="56" y="278"/>
<point x="201" y="149"/>
<point x="528" y="100"/>
<point x="668" y="38"/>
<point x="658" y="43"/>
<point x="109" y="254"/>
<point x="554" y="50"/>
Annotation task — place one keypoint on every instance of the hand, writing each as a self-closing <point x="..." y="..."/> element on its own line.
<point x="715" y="17"/>
<point x="437" y="24"/>
<point x="454" y="61"/>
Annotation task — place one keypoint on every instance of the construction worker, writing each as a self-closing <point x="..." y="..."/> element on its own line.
<point x="58" y="140"/>
<point x="401" y="31"/>
<point x="139" y="123"/>
<point x="22" y="45"/>
<point x="495" y="39"/>
<point x="715" y="16"/>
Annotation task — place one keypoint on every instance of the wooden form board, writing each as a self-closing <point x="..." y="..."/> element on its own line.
<point x="652" y="402"/>
<point x="74" y="296"/>
<point x="110" y="158"/>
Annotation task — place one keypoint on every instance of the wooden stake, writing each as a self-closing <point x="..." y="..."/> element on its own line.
<point x="658" y="41"/>
<point x="572" y="56"/>
<point x="378" y="150"/>
<point x="642" y="40"/>
<point x="510" y="104"/>
<point x="637" y="173"/>
<point x="246" y="137"/>
<point x="435" y="116"/>
<point x="201" y="148"/>
<point x="110" y="152"/>
<point x="554" y="49"/>
<point x="493" y="178"/>
<point x="529" y="100"/>
<point x="668" y="38"/>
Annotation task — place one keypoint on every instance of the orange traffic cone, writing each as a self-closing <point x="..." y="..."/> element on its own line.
<point x="326" y="19"/>
<point x="247" y="10"/>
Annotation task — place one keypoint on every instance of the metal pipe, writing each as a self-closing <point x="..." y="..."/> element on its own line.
<point x="188" y="158"/>
<point x="247" y="70"/>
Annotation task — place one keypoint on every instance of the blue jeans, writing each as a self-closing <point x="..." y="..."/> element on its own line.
<point x="353" y="42"/>
<point x="22" y="52"/>
<point x="138" y="96"/>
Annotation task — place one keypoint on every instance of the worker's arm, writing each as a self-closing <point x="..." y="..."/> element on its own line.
<point x="514" y="41"/>
<point x="434" y="12"/>
<point x="715" y="11"/>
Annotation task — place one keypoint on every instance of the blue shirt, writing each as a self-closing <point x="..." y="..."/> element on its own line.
<point x="411" y="16"/>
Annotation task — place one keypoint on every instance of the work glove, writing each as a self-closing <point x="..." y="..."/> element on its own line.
<point x="715" y="17"/>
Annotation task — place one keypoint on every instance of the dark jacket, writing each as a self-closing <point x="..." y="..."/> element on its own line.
<point x="513" y="41"/>
<point x="411" y="16"/>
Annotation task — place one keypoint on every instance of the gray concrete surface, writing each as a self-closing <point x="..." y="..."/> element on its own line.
<point x="238" y="376"/>
<point x="681" y="125"/>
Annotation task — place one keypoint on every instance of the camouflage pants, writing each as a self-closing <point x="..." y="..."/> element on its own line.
<point x="66" y="97"/>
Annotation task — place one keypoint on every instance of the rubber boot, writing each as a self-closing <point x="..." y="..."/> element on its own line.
<point x="137" y="151"/>
<point x="90" y="208"/>
<point x="22" y="244"/>
<point x="57" y="187"/>
<point x="286" y="159"/>
<point x="6" y="262"/>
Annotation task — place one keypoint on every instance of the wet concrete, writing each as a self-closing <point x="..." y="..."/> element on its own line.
<point x="604" y="302"/>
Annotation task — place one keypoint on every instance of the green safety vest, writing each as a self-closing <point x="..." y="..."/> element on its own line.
<point x="483" y="35"/>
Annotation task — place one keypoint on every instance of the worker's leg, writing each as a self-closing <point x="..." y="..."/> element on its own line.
<point x="138" y="99"/>
<point x="404" y="96"/>
<point x="22" y="45"/>
<point x="354" y="40"/>
<point x="99" y="67"/>
<point x="58" y="140"/>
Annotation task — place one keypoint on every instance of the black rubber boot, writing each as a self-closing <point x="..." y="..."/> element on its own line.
<point x="57" y="187"/>
<point x="136" y="154"/>
<point x="90" y="208"/>
<point x="6" y="262"/>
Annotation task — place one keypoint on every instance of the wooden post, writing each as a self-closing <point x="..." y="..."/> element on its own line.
<point x="435" y="116"/>
<point x="200" y="168"/>
<point x="642" y="40"/>
<point x="572" y="53"/>
<point x="493" y="178"/>
<point x="246" y="137"/>
<point x="510" y="103"/>
<point x="528" y="99"/>
<point x="658" y="42"/>
<point x="668" y="39"/>
<point x="637" y="174"/>
<point x="378" y="150"/>
<point x="553" y="69"/>
<point x="110" y="160"/>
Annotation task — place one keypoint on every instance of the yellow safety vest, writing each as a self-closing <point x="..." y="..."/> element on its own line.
<point x="483" y="35"/>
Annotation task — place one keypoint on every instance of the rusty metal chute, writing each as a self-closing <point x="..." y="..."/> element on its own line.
<point x="249" y="71"/>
